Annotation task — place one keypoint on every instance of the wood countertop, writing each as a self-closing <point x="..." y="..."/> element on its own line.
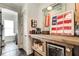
<point x="64" y="39"/>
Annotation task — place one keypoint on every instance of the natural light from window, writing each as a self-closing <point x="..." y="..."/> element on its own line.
<point x="8" y="27"/>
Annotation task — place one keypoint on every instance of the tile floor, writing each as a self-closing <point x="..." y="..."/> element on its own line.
<point x="11" y="49"/>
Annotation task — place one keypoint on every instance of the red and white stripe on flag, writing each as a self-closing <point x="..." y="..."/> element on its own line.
<point x="60" y="24"/>
<point x="68" y="23"/>
<point x="54" y="29"/>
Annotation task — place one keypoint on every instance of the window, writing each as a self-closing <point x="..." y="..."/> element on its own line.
<point x="8" y="27"/>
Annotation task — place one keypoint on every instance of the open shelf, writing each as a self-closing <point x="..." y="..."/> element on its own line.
<point x="39" y="51"/>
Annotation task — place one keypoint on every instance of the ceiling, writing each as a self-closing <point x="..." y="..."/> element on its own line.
<point x="13" y="4"/>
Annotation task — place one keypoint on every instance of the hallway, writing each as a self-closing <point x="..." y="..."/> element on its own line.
<point x="11" y="49"/>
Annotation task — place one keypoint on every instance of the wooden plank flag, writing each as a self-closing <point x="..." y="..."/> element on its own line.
<point x="54" y="24"/>
<point x="68" y="23"/>
<point x="60" y="24"/>
<point x="63" y="23"/>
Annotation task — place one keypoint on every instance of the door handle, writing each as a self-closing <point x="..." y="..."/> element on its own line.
<point x="25" y="35"/>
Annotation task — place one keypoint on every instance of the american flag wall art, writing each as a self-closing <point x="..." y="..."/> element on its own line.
<point x="63" y="24"/>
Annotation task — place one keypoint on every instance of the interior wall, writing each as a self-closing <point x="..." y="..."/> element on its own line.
<point x="29" y="11"/>
<point x="41" y="15"/>
<point x="3" y="5"/>
<point x="20" y="32"/>
<point x="13" y="9"/>
<point x="19" y="22"/>
<point x="34" y="11"/>
<point x="69" y="6"/>
<point x="15" y="21"/>
<point x="25" y="28"/>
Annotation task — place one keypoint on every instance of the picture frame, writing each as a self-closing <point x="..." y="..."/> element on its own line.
<point x="68" y="24"/>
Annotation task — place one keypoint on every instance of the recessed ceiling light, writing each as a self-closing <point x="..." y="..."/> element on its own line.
<point x="49" y="8"/>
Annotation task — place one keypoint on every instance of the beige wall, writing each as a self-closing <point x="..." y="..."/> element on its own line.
<point x="35" y="12"/>
<point x="70" y="6"/>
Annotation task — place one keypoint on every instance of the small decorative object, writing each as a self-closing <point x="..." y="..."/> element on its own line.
<point x="46" y="32"/>
<point x="68" y="50"/>
<point x="47" y="20"/>
<point x="33" y="23"/>
<point x="33" y="32"/>
<point x="38" y="30"/>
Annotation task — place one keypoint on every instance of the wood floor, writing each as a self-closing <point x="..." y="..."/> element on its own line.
<point x="11" y="49"/>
